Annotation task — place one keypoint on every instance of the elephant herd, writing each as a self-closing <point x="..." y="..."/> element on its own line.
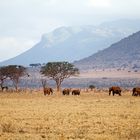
<point x="117" y="90"/>
<point x="114" y="90"/>
<point x="67" y="91"/>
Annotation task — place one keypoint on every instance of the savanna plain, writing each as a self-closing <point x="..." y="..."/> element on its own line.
<point x="93" y="115"/>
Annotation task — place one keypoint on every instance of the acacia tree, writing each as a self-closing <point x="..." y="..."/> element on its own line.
<point x="58" y="71"/>
<point x="3" y="75"/>
<point x="14" y="72"/>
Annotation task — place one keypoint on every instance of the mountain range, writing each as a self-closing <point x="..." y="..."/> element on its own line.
<point x="124" y="54"/>
<point x="75" y="43"/>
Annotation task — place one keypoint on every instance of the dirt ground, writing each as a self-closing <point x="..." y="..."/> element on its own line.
<point x="109" y="74"/>
<point x="90" y="116"/>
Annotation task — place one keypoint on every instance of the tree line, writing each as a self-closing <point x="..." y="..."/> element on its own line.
<point x="57" y="71"/>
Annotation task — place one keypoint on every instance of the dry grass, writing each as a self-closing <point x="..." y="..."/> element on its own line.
<point x="91" y="116"/>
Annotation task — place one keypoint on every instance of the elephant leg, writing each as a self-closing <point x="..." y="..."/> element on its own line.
<point x="113" y="93"/>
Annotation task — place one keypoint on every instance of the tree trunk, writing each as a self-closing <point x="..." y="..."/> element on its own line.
<point x="1" y="84"/>
<point x="16" y="84"/>
<point x="16" y="87"/>
<point x="58" y="86"/>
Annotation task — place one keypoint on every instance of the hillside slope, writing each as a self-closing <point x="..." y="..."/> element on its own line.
<point x="123" y="54"/>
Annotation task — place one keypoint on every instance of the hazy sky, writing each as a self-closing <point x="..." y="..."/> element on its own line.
<point x="22" y="22"/>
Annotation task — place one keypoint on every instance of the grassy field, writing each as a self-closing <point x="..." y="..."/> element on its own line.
<point x="90" y="116"/>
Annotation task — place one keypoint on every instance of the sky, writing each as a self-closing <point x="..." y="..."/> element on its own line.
<point x="23" y="22"/>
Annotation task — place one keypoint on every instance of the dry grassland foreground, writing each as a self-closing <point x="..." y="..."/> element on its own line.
<point x="90" y="116"/>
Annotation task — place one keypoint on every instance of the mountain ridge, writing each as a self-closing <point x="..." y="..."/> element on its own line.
<point x="123" y="54"/>
<point x="73" y="43"/>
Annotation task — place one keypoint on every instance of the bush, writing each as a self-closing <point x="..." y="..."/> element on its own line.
<point x="7" y="127"/>
<point x="91" y="87"/>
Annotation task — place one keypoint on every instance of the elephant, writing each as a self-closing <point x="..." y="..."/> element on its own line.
<point x="48" y="91"/>
<point x="115" y="90"/>
<point x="66" y="91"/>
<point x="76" y="92"/>
<point x="136" y="91"/>
<point x="6" y="88"/>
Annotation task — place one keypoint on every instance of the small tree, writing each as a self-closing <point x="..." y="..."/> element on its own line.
<point x="91" y="87"/>
<point x="14" y="72"/>
<point x="3" y="75"/>
<point x="44" y="82"/>
<point x="58" y="71"/>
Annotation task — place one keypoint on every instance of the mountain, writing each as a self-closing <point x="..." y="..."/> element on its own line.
<point x="75" y="43"/>
<point x="124" y="54"/>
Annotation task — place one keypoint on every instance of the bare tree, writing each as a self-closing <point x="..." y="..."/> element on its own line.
<point x="58" y="71"/>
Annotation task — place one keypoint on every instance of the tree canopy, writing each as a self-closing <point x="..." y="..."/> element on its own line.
<point x="58" y="71"/>
<point x="14" y="72"/>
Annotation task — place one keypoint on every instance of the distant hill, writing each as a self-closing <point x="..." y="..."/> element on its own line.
<point x="75" y="43"/>
<point x="124" y="54"/>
